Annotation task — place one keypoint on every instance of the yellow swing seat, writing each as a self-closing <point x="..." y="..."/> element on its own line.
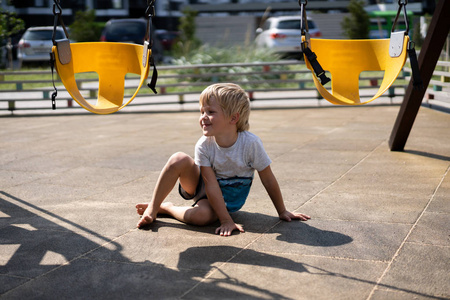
<point x="111" y="61"/>
<point x="346" y="59"/>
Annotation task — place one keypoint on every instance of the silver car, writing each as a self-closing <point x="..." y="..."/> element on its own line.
<point x="282" y="34"/>
<point x="36" y="43"/>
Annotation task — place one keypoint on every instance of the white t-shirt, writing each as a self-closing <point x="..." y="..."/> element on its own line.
<point x="240" y="160"/>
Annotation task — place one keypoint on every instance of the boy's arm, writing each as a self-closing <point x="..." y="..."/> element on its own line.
<point x="215" y="198"/>
<point x="273" y="189"/>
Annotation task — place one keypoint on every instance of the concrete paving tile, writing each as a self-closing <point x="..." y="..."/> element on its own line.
<point x="347" y="144"/>
<point x="310" y="171"/>
<point x="358" y="130"/>
<point x="137" y="191"/>
<point x="42" y="164"/>
<point x="48" y="196"/>
<point x="441" y="198"/>
<point x="9" y="150"/>
<point x="89" y="177"/>
<point x="167" y="242"/>
<point x="10" y="178"/>
<point x="383" y="294"/>
<point x="27" y="260"/>
<point x="100" y="280"/>
<point x="106" y="219"/>
<point x="71" y="232"/>
<point x="384" y="185"/>
<point x="260" y="202"/>
<point x="289" y="277"/>
<point x="9" y="282"/>
<point x="17" y="211"/>
<point x="296" y="192"/>
<point x="353" y="205"/>
<point x="302" y="155"/>
<point x="432" y="229"/>
<point x="335" y="238"/>
<point x="379" y="167"/>
<point x="422" y="269"/>
<point x="429" y="142"/>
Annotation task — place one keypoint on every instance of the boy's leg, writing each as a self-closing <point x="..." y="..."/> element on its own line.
<point x="179" y="166"/>
<point x="201" y="214"/>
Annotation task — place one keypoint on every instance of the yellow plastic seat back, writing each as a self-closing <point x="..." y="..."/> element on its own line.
<point x="346" y="59"/>
<point x="111" y="61"/>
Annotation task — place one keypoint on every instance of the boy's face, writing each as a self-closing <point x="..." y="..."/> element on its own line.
<point x="213" y="120"/>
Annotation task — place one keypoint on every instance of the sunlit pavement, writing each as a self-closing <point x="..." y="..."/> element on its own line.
<point x="379" y="227"/>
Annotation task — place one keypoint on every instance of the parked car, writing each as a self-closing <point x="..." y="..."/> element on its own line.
<point x="167" y="38"/>
<point x="283" y="35"/>
<point x="36" y="43"/>
<point x="130" y="31"/>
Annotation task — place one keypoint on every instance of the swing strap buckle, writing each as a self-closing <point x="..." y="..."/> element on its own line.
<point x="320" y="73"/>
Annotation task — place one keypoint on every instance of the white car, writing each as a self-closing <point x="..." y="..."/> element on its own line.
<point x="283" y="35"/>
<point x="36" y="43"/>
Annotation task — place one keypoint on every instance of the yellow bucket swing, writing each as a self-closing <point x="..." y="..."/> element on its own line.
<point x="111" y="61"/>
<point x="346" y="59"/>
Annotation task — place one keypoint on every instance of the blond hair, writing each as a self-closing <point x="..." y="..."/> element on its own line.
<point x="232" y="99"/>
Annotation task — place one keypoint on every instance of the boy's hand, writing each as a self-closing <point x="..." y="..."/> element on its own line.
<point x="288" y="216"/>
<point x="226" y="228"/>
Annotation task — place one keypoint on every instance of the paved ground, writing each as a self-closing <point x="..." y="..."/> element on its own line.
<point x="379" y="227"/>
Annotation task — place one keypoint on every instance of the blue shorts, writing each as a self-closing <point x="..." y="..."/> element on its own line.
<point x="235" y="191"/>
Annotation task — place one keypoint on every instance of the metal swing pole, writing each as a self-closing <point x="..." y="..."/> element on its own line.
<point x="428" y="57"/>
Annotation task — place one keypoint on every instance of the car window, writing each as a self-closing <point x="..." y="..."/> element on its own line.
<point x="289" y="24"/>
<point x="294" y="24"/>
<point x="42" y="35"/>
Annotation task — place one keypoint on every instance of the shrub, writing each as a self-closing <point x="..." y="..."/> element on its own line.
<point x="84" y="28"/>
<point x="357" y="25"/>
<point x="238" y="54"/>
<point x="187" y="41"/>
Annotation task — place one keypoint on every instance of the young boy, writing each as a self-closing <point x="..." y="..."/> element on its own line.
<point x="220" y="176"/>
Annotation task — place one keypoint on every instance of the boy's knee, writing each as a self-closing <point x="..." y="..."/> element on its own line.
<point x="179" y="159"/>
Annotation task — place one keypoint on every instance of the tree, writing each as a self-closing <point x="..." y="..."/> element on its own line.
<point x="357" y="25"/>
<point x="187" y="41"/>
<point x="10" y="25"/>
<point x="84" y="28"/>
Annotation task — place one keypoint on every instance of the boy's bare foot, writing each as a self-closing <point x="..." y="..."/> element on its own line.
<point x="148" y="217"/>
<point x="141" y="207"/>
<point x="145" y="220"/>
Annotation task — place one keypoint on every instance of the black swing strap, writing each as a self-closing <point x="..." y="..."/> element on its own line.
<point x="310" y="55"/>
<point x="148" y="43"/>
<point x="57" y="11"/>
<point x="417" y="79"/>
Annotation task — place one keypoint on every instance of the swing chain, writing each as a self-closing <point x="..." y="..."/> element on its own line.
<point x="150" y="11"/>
<point x="56" y="5"/>
<point x="401" y="6"/>
<point x="303" y="20"/>
<point x="57" y="12"/>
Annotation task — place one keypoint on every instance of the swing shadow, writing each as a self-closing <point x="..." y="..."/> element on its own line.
<point x="212" y="255"/>
<point x="45" y="255"/>
<point x="30" y="233"/>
